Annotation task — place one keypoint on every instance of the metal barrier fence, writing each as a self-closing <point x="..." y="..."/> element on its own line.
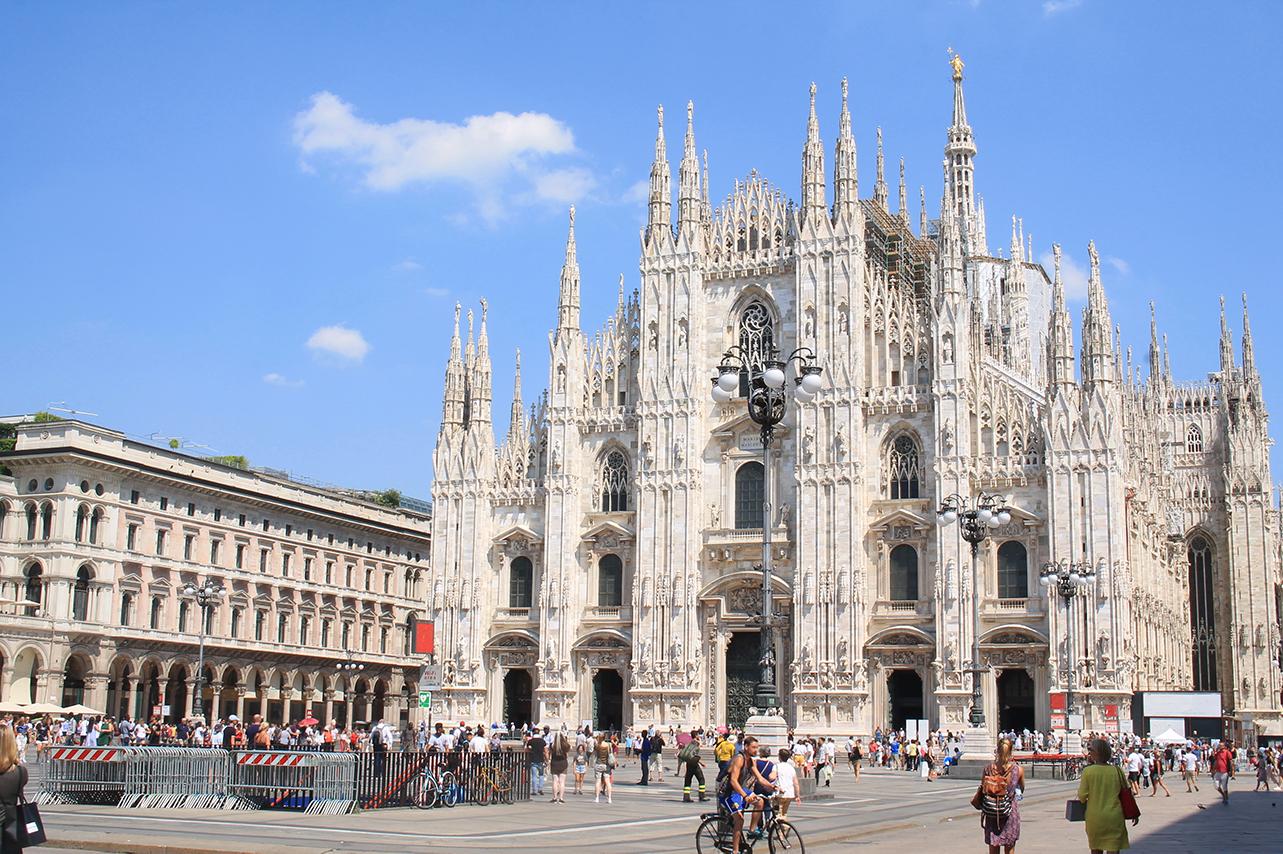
<point x="393" y="779"/>
<point x="318" y="783"/>
<point x="177" y="777"/>
<point x="83" y="775"/>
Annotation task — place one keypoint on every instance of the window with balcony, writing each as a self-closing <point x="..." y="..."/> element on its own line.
<point x="520" y="583"/>
<point x="1013" y="570"/>
<point x="610" y="581"/>
<point x="750" y="495"/>
<point x="904" y="574"/>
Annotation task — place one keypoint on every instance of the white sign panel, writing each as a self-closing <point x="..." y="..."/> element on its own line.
<point x="430" y="678"/>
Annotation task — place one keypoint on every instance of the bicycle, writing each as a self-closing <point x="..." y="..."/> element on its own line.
<point x="436" y="788"/>
<point x="1073" y="768"/>
<point x="494" y="783"/>
<point x="715" y="832"/>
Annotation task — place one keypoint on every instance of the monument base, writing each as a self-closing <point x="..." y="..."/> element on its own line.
<point x="770" y="730"/>
<point x="978" y="743"/>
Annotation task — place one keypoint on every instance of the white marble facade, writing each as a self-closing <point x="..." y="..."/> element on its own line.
<point x="598" y="563"/>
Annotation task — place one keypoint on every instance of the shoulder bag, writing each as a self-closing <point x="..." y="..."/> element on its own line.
<point x="31" y="827"/>
<point x="1131" y="809"/>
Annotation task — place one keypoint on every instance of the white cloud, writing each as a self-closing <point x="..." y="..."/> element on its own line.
<point x="347" y="344"/>
<point x="1119" y="264"/>
<point x="409" y="265"/>
<point x="1055" y="7"/>
<point x="485" y="153"/>
<point x="281" y="381"/>
<point x="436" y="292"/>
<point x="1074" y="274"/>
<point x="637" y="193"/>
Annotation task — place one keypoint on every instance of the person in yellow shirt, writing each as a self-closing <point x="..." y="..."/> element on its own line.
<point x="723" y="752"/>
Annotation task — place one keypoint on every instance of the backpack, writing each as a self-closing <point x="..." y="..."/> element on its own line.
<point x="690" y="752"/>
<point x="995" y="798"/>
<point x="262" y="738"/>
<point x="376" y="737"/>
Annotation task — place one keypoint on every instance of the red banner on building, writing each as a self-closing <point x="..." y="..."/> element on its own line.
<point x="1059" y="719"/>
<point x="1111" y="717"/>
<point x="424" y="638"/>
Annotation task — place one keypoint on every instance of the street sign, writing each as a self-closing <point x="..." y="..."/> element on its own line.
<point x="430" y="677"/>
<point x="425" y="699"/>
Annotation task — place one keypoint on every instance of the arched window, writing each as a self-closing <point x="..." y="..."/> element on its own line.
<point x="1013" y="570"/>
<point x="33" y="588"/>
<point x="521" y="575"/>
<point x="613" y="483"/>
<point x="32" y="514"/>
<point x="903" y="468"/>
<point x="1193" y="439"/>
<point x="46" y="521"/>
<point x="610" y="581"/>
<point x="750" y="494"/>
<point x="1202" y="614"/>
<point x="756" y="340"/>
<point x="95" y="522"/>
<point x="82" y="517"/>
<point x="904" y="574"/>
<point x="126" y="608"/>
<point x="80" y="594"/>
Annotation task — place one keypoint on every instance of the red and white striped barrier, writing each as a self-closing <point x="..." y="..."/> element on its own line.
<point x="87" y="754"/>
<point x="271" y="759"/>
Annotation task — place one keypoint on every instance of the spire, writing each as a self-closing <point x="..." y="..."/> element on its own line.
<point x="689" y="203"/>
<point x="452" y="413"/>
<point x="620" y="305"/>
<point x="814" y="205"/>
<point x="880" y="185"/>
<point x="1155" y="367"/>
<point x="1167" y="361"/>
<point x="846" y="182"/>
<point x="1015" y="241"/>
<point x="922" y="211"/>
<point x="516" y="419"/>
<point x="470" y="351"/>
<point x="660" y="206"/>
<point x="980" y="230"/>
<point x="904" y="199"/>
<point x="1098" y="344"/>
<point x="568" y="300"/>
<point x="479" y="383"/>
<point x="1227" y="343"/>
<point x="1060" y="338"/>
<point x="960" y="150"/>
<point x="1249" y="353"/>
<point x="707" y="214"/>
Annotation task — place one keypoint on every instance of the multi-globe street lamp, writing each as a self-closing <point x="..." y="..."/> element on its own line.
<point x="767" y="400"/>
<point x="976" y="516"/>
<point x="1069" y="580"/>
<point x="207" y="596"/>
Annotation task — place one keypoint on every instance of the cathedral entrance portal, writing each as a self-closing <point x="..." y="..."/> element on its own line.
<point x="517" y="697"/>
<point x="904" y="687"/>
<point x="1015" y="700"/>
<point x="607" y="701"/>
<point x="742" y="673"/>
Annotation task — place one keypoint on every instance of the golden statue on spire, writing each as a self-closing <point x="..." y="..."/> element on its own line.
<point x="955" y="60"/>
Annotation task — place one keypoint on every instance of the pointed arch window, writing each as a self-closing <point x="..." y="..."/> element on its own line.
<point x="904" y="468"/>
<point x="904" y="574"/>
<point x="521" y="583"/>
<point x="1013" y="570"/>
<point x="613" y="483"/>
<point x="750" y="494"/>
<point x="1194" y="439"/>
<point x="756" y="340"/>
<point x="1202" y="614"/>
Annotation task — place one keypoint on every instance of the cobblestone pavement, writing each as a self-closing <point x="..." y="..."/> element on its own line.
<point x="886" y="811"/>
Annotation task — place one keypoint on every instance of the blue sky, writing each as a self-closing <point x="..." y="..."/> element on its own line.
<point x="246" y="224"/>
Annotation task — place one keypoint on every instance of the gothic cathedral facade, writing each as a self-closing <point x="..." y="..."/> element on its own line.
<point x="602" y="562"/>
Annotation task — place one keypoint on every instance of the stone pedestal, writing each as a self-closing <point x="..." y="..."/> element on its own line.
<point x="978" y="743"/>
<point x="1073" y="743"/>
<point x="771" y="732"/>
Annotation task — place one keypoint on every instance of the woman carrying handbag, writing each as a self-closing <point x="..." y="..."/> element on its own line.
<point x="22" y="825"/>
<point x="1109" y="800"/>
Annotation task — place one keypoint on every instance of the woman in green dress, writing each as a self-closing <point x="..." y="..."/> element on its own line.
<point x="1098" y="788"/>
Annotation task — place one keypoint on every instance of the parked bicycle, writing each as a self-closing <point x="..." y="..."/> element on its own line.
<point x="716" y="832"/>
<point x="433" y="788"/>
<point x="494" y="784"/>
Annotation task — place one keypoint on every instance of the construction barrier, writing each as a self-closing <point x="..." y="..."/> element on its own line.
<point x="83" y="775"/>
<point x="387" y="779"/>
<point x="318" y="783"/>
<point x="178" y="777"/>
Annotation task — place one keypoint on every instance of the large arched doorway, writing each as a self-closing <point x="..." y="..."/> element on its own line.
<point x="26" y="672"/>
<point x="742" y="673"/>
<point x="1015" y="700"/>
<point x="607" y="700"/>
<point x="177" y="692"/>
<point x="518" y="693"/>
<point x="73" y="681"/>
<point x="904" y="689"/>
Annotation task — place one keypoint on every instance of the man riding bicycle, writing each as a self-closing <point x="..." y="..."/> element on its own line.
<point x="738" y="789"/>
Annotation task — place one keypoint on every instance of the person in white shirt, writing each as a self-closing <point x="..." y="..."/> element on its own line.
<point x="478" y="743"/>
<point x="785" y="780"/>
<point x="1135" y="763"/>
<point x="1189" y="770"/>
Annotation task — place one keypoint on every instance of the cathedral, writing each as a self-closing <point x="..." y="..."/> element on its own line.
<point x="601" y="562"/>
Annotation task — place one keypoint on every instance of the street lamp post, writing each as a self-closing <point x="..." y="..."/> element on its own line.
<point x="207" y="596"/>
<point x="976" y="517"/>
<point x="767" y="401"/>
<point x="1068" y="580"/>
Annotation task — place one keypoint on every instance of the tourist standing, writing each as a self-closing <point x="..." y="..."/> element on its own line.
<point x="693" y="766"/>
<point x="1135" y="767"/>
<point x="645" y="758"/>
<point x="13" y="779"/>
<point x="581" y="766"/>
<point x="1222" y="765"/>
<point x="603" y="769"/>
<point x="657" y="755"/>
<point x="538" y="747"/>
<point x="558" y="763"/>
<point x="1099" y="789"/>
<point x="722" y="752"/>
<point x="1189" y="769"/>
<point x="1001" y="786"/>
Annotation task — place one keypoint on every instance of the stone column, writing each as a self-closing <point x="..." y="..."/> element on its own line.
<point x="162" y="695"/>
<point x="329" y="708"/>
<point x="240" y="702"/>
